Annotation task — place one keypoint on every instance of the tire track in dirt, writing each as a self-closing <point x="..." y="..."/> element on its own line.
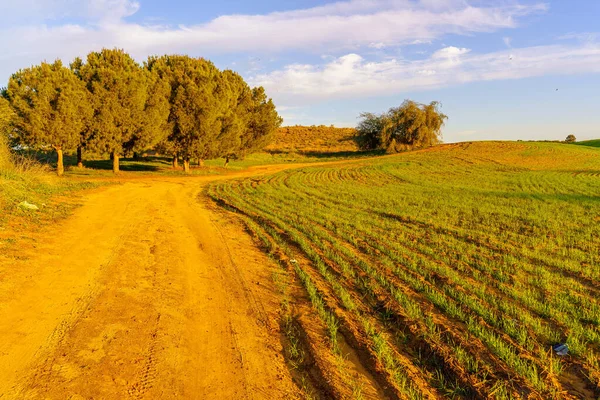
<point x="148" y="376"/>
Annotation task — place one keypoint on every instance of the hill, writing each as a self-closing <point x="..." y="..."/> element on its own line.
<point x="590" y="143"/>
<point x="313" y="139"/>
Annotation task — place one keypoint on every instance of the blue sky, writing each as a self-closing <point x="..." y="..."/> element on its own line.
<point x="495" y="65"/>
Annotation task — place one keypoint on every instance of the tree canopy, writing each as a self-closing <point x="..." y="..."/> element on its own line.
<point x="411" y="125"/>
<point x="212" y="113"/>
<point x="51" y="106"/>
<point x="129" y="103"/>
<point x="264" y="122"/>
<point x="108" y="103"/>
<point x="6" y="115"/>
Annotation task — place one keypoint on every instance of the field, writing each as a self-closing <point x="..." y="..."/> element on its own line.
<point x="590" y="143"/>
<point x="441" y="273"/>
<point x="448" y="272"/>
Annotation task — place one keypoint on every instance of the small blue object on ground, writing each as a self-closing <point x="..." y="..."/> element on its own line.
<point x="561" y="349"/>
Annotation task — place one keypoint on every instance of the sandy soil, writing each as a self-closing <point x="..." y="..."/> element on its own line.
<point x="146" y="292"/>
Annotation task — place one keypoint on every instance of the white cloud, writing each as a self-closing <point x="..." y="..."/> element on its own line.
<point x="353" y="76"/>
<point x="450" y="52"/>
<point x="507" y="41"/>
<point x="378" y="45"/>
<point x="420" y="41"/>
<point x="342" y="26"/>
<point x="48" y="10"/>
<point x="581" y="36"/>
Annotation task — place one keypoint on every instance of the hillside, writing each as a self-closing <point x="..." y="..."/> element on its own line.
<point x="590" y="143"/>
<point x="317" y="139"/>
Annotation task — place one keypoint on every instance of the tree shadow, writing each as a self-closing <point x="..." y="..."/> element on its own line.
<point x="142" y="164"/>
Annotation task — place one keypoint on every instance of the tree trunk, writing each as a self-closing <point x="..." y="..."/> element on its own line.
<point x="60" y="168"/>
<point x="226" y="161"/>
<point x="186" y="165"/>
<point x="175" y="161"/>
<point x="115" y="158"/>
<point x="79" y="157"/>
<point x="201" y="162"/>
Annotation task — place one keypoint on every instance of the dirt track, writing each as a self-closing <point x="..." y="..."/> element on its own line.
<point x="146" y="292"/>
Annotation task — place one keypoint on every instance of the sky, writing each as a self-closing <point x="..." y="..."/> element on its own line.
<point x="502" y="69"/>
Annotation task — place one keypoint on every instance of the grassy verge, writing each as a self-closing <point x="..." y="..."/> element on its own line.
<point x="25" y="180"/>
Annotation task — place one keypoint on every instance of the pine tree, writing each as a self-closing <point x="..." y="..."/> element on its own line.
<point x="195" y="104"/>
<point x="51" y="108"/>
<point x="235" y="117"/>
<point x="85" y="134"/>
<point x="263" y="123"/>
<point x="126" y="116"/>
<point x="212" y="113"/>
<point x="6" y="116"/>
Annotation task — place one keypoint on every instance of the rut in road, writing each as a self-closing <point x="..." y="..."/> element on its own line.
<point x="144" y="293"/>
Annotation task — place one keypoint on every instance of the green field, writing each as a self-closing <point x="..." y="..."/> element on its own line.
<point x="448" y="272"/>
<point x="590" y="143"/>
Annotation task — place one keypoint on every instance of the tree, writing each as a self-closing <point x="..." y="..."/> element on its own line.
<point x="51" y="108"/>
<point x="412" y="125"/>
<point x="195" y="104"/>
<point x="369" y="131"/>
<point x="571" y="139"/>
<point x="127" y="114"/>
<point x="212" y="113"/>
<point x="194" y="113"/>
<point x="235" y="97"/>
<point x="263" y="123"/>
<point x="6" y="116"/>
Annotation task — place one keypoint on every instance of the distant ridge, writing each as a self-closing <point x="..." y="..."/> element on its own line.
<point x="321" y="139"/>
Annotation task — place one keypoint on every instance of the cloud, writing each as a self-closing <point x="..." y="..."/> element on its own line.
<point x="581" y="36"/>
<point x="450" y="52"/>
<point x="337" y="27"/>
<point x="353" y="76"/>
<point x="420" y="41"/>
<point x="378" y="45"/>
<point x="56" y="10"/>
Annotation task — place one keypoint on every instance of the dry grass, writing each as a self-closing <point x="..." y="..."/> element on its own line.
<point x="313" y="139"/>
<point x="25" y="179"/>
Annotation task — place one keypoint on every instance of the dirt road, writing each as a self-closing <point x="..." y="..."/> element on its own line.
<point x="145" y="293"/>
